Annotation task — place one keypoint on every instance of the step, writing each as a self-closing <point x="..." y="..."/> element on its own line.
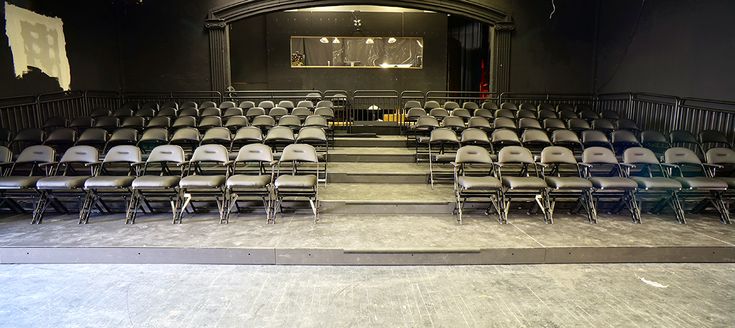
<point x="376" y="173"/>
<point x="377" y="141"/>
<point x="372" y="154"/>
<point x="363" y="198"/>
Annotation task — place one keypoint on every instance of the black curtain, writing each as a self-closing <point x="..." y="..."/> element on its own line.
<point x="467" y="50"/>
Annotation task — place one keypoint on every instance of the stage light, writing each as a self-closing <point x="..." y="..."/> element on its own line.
<point x="324" y="40"/>
<point x="391" y="40"/>
<point x="335" y="40"/>
<point x="369" y="41"/>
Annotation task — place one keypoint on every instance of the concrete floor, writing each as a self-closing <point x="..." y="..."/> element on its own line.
<point x="364" y="232"/>
<point x="619" y="295"/>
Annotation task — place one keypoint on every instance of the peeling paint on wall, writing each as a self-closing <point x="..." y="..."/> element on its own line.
<point x="38" y="41"/>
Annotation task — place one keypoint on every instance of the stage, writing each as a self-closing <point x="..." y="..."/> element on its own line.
<point x="364" y="239"/>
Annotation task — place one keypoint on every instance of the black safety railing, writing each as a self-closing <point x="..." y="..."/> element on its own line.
<point x="650" y="111"/>
<point x="61" y="104"/>
<point x="547" y="98"/>
<point x="102" y="99"/>
<point x="375" y="105"/>
<point x="460" y="97"/>
<point x="18" y="113"/>
<point x="667" y="113"/>
<point x="257" y="96"/>
<point x="177" y="96"/>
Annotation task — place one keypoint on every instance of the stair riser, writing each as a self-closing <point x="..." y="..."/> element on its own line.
<point x="376" y="178"/>
<point x="371" y="158"/>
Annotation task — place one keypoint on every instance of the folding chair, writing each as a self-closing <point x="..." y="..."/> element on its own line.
<point x="113" y="179"/>
<point x="722" y="164"/>
<point x="277" y="112"/>
<point x="66" y="180"/>
<point x="535" y="140"/>
<point x="152" y="138"/>
<point x="450" y="105"/>
<point x="610" y="181"/>
<point x="699" y="186"/>
<point x="27" y="137"/>
<point x="208" y="104"/>
<point x="211" y="111"/>
<point x="489" y="105"/>
<point x="420" y="132"/>
<point x="158" y="181"/>
<point x="218" y="135"/>
<point x="474" y="179"/>
<point x="551" y="124"/>
<point x="184" y="122"/>
<point x="234" y="123"/>
<point x="227" y="104"/>
<point x="509" y="105"/>
<point x="209" y="122"/>
<point x="566" y="184"/>
<point x="279" y="136"/>
<point x="484" y="113"/>
<point x="302" y="113"/>
<point x="19" y="180"/>
<point x="232" y="111"/>
<point x="61" y="139"/>
<point x="479" y="122"/>
<point x="121" y="136"/>
<point x="622" y="140"/>
<point x="254" y="112"/>
<point x="263" y="122"/>
<point x="245" y="136"/>
<point x="248" y="181"/>
<point x="94" y="137"/>
<point x="709" y="139"/>
<point x="287" y="104"/>
<point x="431" y="104"/>
<point x="188" y="138"/>
<point x="317" y="137"/>
<point x="205" y="177"/>
<point x="656" y="142"/>
<point x="247" y="104"/>
<point x="81" y="123"/>
<point x="295" y="184"/>
<point x="661" y="188"/>
<point x="447" y="143"/>
<point x="159" y="122"/>
<point x="524" y="182"/>
<point x="462" y="113"/>
<point x="476" y="137"/>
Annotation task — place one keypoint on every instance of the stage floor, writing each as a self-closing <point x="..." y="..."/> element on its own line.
<point x="373" y="239"/>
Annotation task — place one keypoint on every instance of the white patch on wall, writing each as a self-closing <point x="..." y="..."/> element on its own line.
<point x="37" y="41"/>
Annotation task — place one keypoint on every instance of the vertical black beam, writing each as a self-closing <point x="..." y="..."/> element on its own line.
<point x="501" y="55"/>
<point x="219" y="54"/>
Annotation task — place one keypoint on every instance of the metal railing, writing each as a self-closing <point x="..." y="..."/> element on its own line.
<point x="461" y="97"/>
<point x="547" y="98"/>
<point x="666" y="113"/>
<point x="648" y="110"/>
<point x="374" y="105"/>
<point x="257" y="96"/>
<point x="177" y="96"/>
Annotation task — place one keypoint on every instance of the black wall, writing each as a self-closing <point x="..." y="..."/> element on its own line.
<point x="258" y="63"/>
<point x="552" y="54"/>
<point x="678" y="47"/>
<point x="91" y="33"/>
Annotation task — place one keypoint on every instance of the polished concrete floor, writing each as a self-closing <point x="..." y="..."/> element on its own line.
<point x="611" y="295"/>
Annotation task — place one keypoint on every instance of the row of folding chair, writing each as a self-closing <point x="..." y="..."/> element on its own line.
<point x="165" y="176"/>
<point x="557" y="175"/>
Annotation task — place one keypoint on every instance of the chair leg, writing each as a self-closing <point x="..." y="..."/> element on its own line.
<point x="133" y="205"/>
<point x="505" y="201"/>
<point x="89" y="199"/>
<point x="721" y="207"/>
<point x="179" y="208"/>
<point x="678" y="209"/>
<point x="41" y="204"/>
<point x="631" y="202"/>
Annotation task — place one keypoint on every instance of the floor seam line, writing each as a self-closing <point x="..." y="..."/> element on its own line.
<point x="529" y="236"/>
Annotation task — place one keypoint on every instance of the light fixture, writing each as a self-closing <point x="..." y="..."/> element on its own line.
<point x="419" y="42"/>
<point x="391" y="40"/>
<point x="324" y="40"/>
<point x="335" y="40"/>
<point x="369" y="41"/>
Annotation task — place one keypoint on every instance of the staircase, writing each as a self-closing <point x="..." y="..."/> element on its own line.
<point x="378" y="175"/>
